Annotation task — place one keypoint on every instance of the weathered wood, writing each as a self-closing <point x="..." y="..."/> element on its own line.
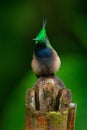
<point x="46" y="120"/>
<point x="71" y="116"/>
<point x="47" y="106"/>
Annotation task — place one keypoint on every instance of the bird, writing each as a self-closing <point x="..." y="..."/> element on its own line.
<point x="45" y="60"/>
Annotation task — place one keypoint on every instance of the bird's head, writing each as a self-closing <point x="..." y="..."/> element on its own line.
<point x="41" y="39"/>
<point x="43" y="47"/>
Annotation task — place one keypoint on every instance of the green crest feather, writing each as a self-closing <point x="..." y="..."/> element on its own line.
<point x="42" y="34"/>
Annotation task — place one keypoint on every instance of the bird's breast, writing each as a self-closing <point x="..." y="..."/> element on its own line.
<point x="45" y="63"/>
<point x="42" y="53"/>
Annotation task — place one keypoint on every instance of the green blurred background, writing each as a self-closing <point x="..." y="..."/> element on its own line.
<point x="20" y="21"/>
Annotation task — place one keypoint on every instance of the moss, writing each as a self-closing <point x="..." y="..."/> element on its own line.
<point x="57" y="118"/>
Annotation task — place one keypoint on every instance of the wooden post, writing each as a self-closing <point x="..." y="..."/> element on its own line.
<point x="48" y="106"/>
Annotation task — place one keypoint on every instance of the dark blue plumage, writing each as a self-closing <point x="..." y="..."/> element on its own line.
<point x="43" y="52"/>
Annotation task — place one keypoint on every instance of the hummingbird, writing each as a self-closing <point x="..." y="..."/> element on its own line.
<point x="45" y="60"/>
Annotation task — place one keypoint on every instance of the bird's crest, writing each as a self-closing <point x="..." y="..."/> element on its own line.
<point x="42" y="34"/>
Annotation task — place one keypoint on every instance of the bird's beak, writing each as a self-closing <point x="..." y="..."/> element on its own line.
<point x="34" y="39"/>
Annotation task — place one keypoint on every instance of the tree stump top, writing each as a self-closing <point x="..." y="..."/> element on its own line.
<point x="48" y="105"/>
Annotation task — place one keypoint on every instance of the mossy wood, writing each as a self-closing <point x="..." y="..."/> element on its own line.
<point x="48" y="106"/>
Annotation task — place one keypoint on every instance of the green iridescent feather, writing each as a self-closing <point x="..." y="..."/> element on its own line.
<point x="42" y="35"/>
